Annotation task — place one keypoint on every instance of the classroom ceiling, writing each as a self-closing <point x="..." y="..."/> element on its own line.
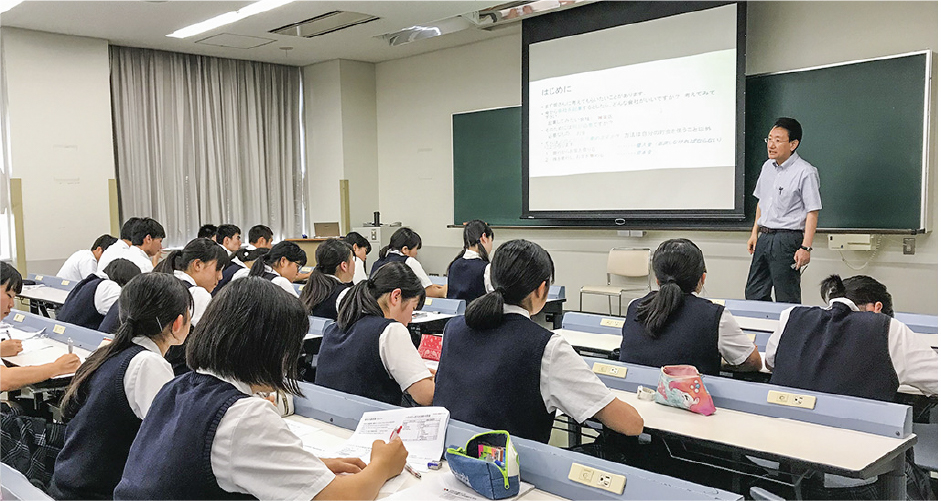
<point x="147" y="24"/>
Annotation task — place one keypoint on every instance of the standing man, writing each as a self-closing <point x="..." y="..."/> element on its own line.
<point x="788" y="193"/>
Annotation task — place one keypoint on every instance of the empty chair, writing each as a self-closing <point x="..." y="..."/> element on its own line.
<point x="630" y="263"/>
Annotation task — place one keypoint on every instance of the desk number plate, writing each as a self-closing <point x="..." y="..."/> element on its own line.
<point x="428" y="301"/>
<point x="18" y="317"/>
<point x="598" y="479"/>
<point x="58" y="329"/>
<point x="791" y="399"/>
<point x="609" y="370"/>
<point x="65" y="282"/>
<point x="612" y="322"/>
<point x="38" y="278"/>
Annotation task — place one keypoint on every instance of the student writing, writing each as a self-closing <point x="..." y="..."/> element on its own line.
<point x="403" y="247"/>
<point x="207" y="436"/>
<point x="329" y="280"/>
<point x="500" y="370"/>
<point x="369" y="351"/>
<point x="361" y="247"/>
<point x="281" y="265"/>
<point x="672" y="326"/>
<point x="85" y="262"/>
<point x="470" y="269"/>
<point x="113" y="390"/>
<point x="92" y="298"/>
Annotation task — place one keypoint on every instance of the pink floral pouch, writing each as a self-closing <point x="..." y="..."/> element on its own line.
<point x="681" y="386"/>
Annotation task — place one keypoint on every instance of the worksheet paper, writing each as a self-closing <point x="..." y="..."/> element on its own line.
<point x="423" y="430"/>
<point x="447" y="488"/>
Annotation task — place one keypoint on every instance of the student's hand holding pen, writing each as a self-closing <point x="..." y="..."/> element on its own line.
<point x="10" y="347"/>
<point x="344" y="465"/>
<point x="389" y="458"/>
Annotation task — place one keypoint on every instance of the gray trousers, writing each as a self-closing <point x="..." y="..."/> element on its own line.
<point x="771" y="268"/>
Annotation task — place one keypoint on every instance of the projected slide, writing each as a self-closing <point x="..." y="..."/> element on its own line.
<point x="649" y="127"/>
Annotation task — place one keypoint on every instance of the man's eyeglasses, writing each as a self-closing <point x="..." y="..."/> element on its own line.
<point x="769" y="140"/>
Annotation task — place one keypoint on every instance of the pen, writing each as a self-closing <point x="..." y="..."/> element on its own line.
<point x="71" y="345"/>
<point x="395" y="433"/>
<point x="412" y="471"/>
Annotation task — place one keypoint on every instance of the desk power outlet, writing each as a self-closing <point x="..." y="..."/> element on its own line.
<point x="609" y="370"/>
<point x="598" y="479"/>
<point x="792" y="399"/>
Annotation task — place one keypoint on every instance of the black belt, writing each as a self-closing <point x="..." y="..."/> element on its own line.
<point x="763" y="229"/>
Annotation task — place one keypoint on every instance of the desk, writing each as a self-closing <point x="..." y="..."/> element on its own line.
<point x="43" y="298"/>
<point x="601" y="344"/>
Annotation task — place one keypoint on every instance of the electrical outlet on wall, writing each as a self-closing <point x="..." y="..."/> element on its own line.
<point x="908" y="246"/>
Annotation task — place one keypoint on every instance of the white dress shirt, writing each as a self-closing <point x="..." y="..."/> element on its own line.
<point x="111" y="253"/>
<point x="399" y="356"/>
<point x="416" y="267"/>
<point x="78" y="266"/>
<point x="201" y="297"/>
<point x="254" y="452"/>
<point x="278" y="280"/>
<point x="146" y="373"/>
<point x="106" y="294"/>
<point x="359" y="271"/>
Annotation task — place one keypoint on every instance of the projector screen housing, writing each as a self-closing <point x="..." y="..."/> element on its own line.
<point x="633" y="112"/>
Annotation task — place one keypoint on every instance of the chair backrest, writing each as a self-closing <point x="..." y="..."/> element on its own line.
<point x="629" y="262"/>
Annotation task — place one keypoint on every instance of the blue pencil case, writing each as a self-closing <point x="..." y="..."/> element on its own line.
<point x="488" y="464"/>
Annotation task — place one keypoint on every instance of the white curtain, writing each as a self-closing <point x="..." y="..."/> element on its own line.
<point x="7" y="235"/>
<point x="207" y="140"/>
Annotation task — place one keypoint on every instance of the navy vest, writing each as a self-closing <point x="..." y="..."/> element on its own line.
<point x="269" y="276"/>
<point x="390" y="257"/>
<point x="491" y="378"/>
<point x="349" y="361"/>
<point x="836" y="350"/>
<point x="690" y="336"/>
<point x="328" y="307"/>
<point x="79" y="307"/>
<point x="466" y="279"/>
<point x="171" y="456"/>
<point x="112" y="320"/>
<point x="227" y="273"/>
<point x="98" y="438"/>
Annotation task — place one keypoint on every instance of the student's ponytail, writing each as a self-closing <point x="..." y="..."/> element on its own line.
<point x="121" y="271"/>
<point x="860" y="289"/>
<point x="258" y="267"/>
<point x="679" y="265"/>
<point x="831" y="288"/>
<point x="518" y="268"/>
<point x="169" y="263"/>
<point x="330" y="255"/>
<point x="149" y="304"/>
<point x="363" y="298"/>
<point x="473" y="231"/>
<point x="383" y="252"/>
<point x="289" y="250"/>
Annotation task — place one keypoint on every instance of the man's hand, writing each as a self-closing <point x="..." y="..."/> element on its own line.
<point x="801" y="258"/>
<point x="752" y="242"/>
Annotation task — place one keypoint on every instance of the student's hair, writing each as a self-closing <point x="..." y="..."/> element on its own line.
<point x="259" y="231"/>
<point x="793" y="128"/>
<point x="10" y="277"/>
<point x="473" y="230"/>
<point x="518" y="268"/>
<point x="354" y="238"/>
<point x="860" y="289"/>
<point x="199" y="248"/>
<point x="227" y="231"/>
<point x="403" y="237"/>
<point x="104" y="242"/>
<point x="363" y="298"/>
<point x="330" y="255"/>
<point x="121" y="271"/>
<point x="250" y="333"/>
<point x="207" y="231"/>
<point x="245" y="255"/>
<point x="678" y="264"/>
<point x="290" y="250"/>
<point x="149" y="304"/>
<point x="145" y="227"/>
<point x="127" y="230"/>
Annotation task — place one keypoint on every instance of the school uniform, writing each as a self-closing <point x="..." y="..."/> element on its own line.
<point x="229" y="272"/>
<point x="411" y="262"/>
<point x="374" y="358"/>
<point x="466" y="277"/>
<point x="201" y="297"/>
<point x="514" y="377"/>
<point x="78" y="266"/>
<point x="251" y="450"/>
<point x="133" y="254"/>
<point x="89" y="302"/>
<point x="98" y="438"/>
<point x="272" y="275"/>
<point x="359" y="270"/>
<point x="699" y="333"/>
<point x="330" y="304"/>
<point x="112" y="319"/>
<point x="839" y="349"/>
<point x="111" y="253"/>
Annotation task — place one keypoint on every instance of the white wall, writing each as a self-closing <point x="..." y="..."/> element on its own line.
<point x="59" y="97"/>
<point x="416" y="97"/>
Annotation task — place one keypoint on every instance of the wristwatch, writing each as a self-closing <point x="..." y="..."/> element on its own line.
<point x="808" y="249"/>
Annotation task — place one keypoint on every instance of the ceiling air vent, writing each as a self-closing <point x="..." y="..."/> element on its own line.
<point x="325" y="23"/>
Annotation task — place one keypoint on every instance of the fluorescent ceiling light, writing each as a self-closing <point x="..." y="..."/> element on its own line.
<point x="6" y="5"/>
<point x="227" y="18"/>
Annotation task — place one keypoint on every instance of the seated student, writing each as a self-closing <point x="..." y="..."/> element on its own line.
<point x="103" y="417"/>
<point x="229" y="237"/>
<point x="207" y="231"/>
<point x="85" y="262"/>
<point x="92" y="298"/>
<point x="369" y="351"/>
<point x="329" y="280"/>
<point x="852" y="347"/>
<point x="118" y="248"/>
<point x="14" y="378"/>
<point x="207" y="436"/>
<point x="146" y="244"/>
<point x="672" y="326"/>
<point x="361" y="247"/>
<point x="500" y="370"/>
<point x="260" y="237"/>
<point x="403" y="247"/>
<point x="280" y="265"/>
<point x="467" y="271"/>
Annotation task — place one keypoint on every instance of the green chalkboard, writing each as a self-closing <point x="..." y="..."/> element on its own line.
<point x="864" y="130"/>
